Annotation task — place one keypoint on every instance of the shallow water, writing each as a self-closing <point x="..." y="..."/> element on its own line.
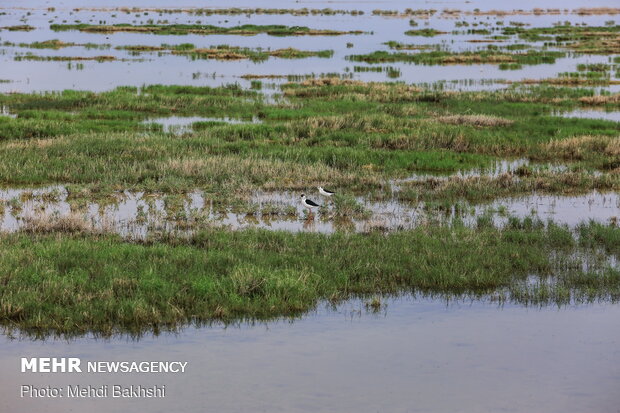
<point x="183" y="124"/>
<point x="495" y="169"/>
<point x="591" y="114"/>
<point x="152" y="68"/>
<point x="418" y="355"/>
<point x="136" y="214"/>
<point x="415" y="355"/>
<point x="4" y="111"/>
<point x="569" y="210"/>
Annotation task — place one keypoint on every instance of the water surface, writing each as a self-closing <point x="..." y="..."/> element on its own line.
<point x="418" y="355"/>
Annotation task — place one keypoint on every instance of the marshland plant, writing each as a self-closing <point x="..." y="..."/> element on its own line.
<point x="67" y="281"/>
<point x="62" y="275"/>
<point x="74" y="161"/>
<point x="184" y="29"/>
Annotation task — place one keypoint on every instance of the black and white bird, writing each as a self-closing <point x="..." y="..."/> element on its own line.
<point x="308" y="203"/>
<point x="325" y="192"/>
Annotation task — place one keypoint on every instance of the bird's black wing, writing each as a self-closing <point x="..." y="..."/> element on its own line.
<point x="311" y="202"/>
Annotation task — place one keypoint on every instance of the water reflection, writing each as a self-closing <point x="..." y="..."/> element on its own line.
<point x="138" y="214"/>
<point x="591" y="114"/>
<point x="169" y="69"/>
<point x="415" y="355"/>
<point x="179" y="125"/>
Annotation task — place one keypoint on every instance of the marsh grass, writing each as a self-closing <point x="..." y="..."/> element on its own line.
<point x="62" y="283"/>
<point x="31" y="57"/>
<point x="183" y="29"/>
<point x="19" y="28"/>
<point x="582" y="39"/>
<point x="475" y="120"/>
<point x="525" y="181"/>
<point x="348" y="206"/>
<point x="361" y="134"/>
<point x="225" y="52"/>
<point x="439" y="57"/>
<point x="424" y="32"/>
<point x="227" y="11"/>
<point x="49" y="223"/>
<point x="57" y="44"/>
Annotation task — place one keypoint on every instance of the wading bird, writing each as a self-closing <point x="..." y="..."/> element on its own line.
<point x="308" y="203"/>
<point x="325" y="192"/>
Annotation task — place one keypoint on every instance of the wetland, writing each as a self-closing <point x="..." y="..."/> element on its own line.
<point x="152" y="162"/>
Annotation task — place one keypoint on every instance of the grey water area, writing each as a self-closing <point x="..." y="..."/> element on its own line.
<point x="591" y="114"/>
<point x="496" y="168"/>
<point x="413" y="355"/>
<point x="5" y="111"/>
<point x="164" y="68"/>
<point x="179" y="125"/>
<point x="137" y="215"/>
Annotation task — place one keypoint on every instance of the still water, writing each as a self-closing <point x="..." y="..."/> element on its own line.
<point x="165" y="68"/>
<point x="417" y="355"/>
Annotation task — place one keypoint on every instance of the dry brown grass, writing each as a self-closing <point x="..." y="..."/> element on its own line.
<point x="48" y="223"/>
<point x="369" y="91"/>
<point x="270" y="174"/>
<point x="32" y="143"/>
<point x="596" y="11"/>
<point x="379" y="123"/>
<point x="578" y="148"/>
<point x="475" y="120"/>
<point x="613" y="148"/>
<point x="600" y="99"/>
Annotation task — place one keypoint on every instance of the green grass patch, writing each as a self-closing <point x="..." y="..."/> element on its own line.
<point x="359" y="134"/>
<point x="531" y="57"/>
<point x="73" y="284"/>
